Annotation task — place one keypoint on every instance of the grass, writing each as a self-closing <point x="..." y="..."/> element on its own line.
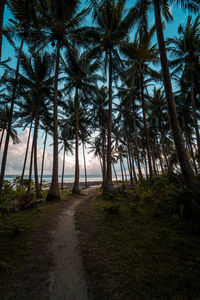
<point x="134" y="248"/>
<point x="19" y="234"/>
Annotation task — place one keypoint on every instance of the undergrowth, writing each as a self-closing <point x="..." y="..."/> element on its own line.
<point x="141" y="244"/>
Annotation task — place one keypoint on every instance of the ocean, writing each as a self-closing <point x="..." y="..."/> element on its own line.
<point x="67" y="178"/>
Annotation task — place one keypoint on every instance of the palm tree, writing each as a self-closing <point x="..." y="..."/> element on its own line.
<point x="37" y="83"/>
<point x="186" y="168"/>
<point x="141" y="53"/>
<point x="112" y="27"/>
<point x="158" y="122"/>
<point x="99" y="114"/>
<point x="186" y="122"/>
<point x="4" y="112"/>
<point x="47" y="127"/>
<point x="96" y="148"/>
<point x="24" y="13"/>
<point x="185" y="51"/>
<point x="66" y="138"/>
<point x="59" y="20"/>
<point x="81" y="77"/>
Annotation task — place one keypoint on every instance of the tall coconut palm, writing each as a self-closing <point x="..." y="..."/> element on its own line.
<point x="141" y="52"/>
<point x="99" y="114"/>
<point x="158" y="120"/>
<point x="128" y="109"/>
<point x="81" y="77"/>
<point x="24" y="14"/>
<point x="185" y="51"/>
<point x="37" y="82"/>
<point x="159" y="7"/>
<point x="59" y="21"/>
<point x="113" y="23"/>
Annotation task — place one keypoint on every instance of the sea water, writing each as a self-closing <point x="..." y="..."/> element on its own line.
<point x="67" y="178"/>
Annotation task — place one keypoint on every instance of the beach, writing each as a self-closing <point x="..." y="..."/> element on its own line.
<point x="69" y="185"/>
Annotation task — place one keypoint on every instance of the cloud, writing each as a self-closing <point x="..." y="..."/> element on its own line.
<point x="16" y="154"/>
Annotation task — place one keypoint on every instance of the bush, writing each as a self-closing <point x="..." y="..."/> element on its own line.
<point x="14" y="196"/>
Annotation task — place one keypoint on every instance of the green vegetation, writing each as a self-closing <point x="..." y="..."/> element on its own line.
<point x="19" y="231"/>
<point x="141" y="244"/>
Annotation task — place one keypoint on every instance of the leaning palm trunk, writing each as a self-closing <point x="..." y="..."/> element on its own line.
<point x="191" y="151"/>
<point x="2" y="8"/>
<point x="115" y="172"/>
<point x="26" y="153"/>
<point x="123" y="166"/>
<point x="109" y="185"/>
<point x="195" y="113"/>
<point x="54" y="192"/>
<point x="85" y="169"/>
<point x="188" y="174"/>
<point x="43" y="156"/>
<point x="37" y="186"/>
<point x="101" y="165"/>
<point x="10" y="118"/>
<point x="63" y="169"/>
<point x="2" y="135"/>
<point x="76" y="188"/>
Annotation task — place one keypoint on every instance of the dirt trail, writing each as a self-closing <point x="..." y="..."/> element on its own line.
<point x="67" y="278"/>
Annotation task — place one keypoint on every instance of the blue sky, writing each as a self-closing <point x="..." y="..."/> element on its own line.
<point x="179" y="15"/>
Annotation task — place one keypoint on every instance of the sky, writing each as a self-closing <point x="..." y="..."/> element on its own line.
<point x="16" y="152"/>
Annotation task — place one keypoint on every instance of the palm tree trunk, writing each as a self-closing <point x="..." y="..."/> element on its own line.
<point x="115" y="172"/>
<point x="63" y="169"/>
<point x="30" y="173"/>
<point x="26" y="153"/>
<point x="145" y="124"/>
<point x="5" y="152"/>
<point x="130" y="170"/>
<point x="122" y="172"/>
<point x="137" y="148"/>
<point x="130" y="153"/>
<point x="191" y="151"/>
<point x="101" y="165"/>
<point x="159" y="155"/>
<point x="54" y="192"/>
<point x="186" y="168"/>
<point x="195" y="113"/>
<point x="145" y="164"/>
<point x="37" y="186"/>
<point x="2" y="135"/>
<point x="109" y="185"/>
<point x="43" y="156"/>
<point x="2" y="8"/>
<point x="133" y="167"/>
<point x="86" y="185"/>
<point x="76" y="188"/>
<point x="153" y="160"/>
<point x="123" y="166"/>
<point x="103" y="156"/>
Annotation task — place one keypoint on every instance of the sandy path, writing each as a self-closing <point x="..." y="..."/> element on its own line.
<point x="67" y="277"/>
